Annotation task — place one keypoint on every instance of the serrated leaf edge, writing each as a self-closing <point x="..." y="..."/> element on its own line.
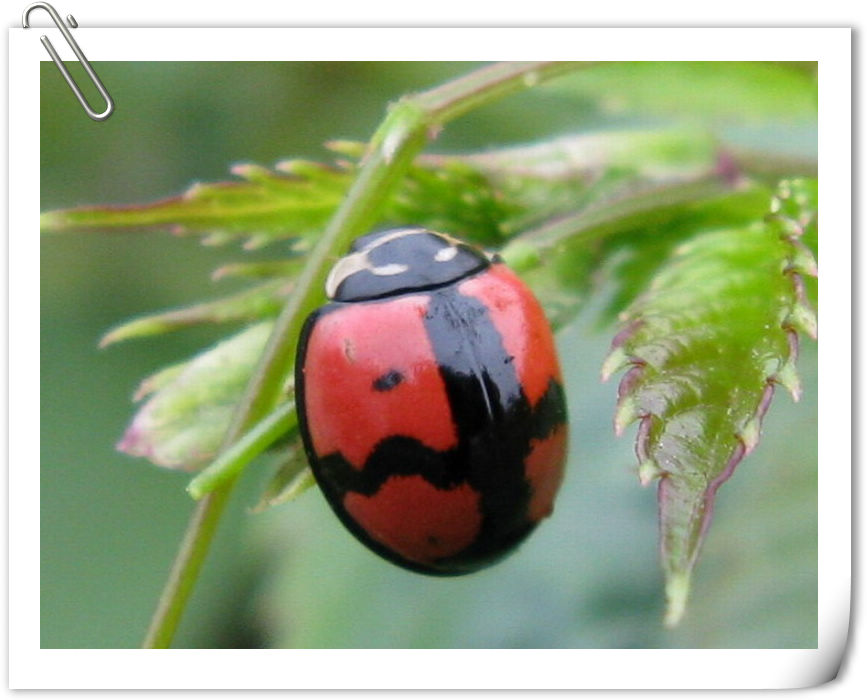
<point x="801" y="317"/>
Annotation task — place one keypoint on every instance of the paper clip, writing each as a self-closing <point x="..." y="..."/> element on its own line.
<point x="98" y="116"/>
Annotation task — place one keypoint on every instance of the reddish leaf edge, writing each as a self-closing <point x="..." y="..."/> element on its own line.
<point x="802" y="318"/>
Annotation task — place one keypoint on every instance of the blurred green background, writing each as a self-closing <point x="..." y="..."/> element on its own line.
<point x="110" y="524"/>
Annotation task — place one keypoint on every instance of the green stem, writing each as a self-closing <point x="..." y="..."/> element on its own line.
<point x="398" y="140"/>
<point x="188" y="562"/>
<point x="232" y="461"/>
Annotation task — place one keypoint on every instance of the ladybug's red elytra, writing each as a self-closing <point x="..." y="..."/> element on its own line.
<point x="430" y="402"/>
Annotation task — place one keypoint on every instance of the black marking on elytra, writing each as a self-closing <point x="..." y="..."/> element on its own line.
<point x="394" y="456"/>
<point x="490" y="412"/>
<point x="550" y="411"/>
<point x="387" y="381"/>
<point x="494" y="423"/>
<point x="397" y="455"/>
<point x="403" y="456"/>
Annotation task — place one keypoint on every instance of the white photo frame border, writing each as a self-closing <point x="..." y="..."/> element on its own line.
<point x="32" y="667"/>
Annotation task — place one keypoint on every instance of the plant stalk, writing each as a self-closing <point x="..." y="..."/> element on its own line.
<point x="400" y="138"/>
<point x="231" y="462"/>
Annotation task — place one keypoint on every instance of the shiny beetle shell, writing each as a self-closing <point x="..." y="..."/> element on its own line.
<point x="430" y="402"/>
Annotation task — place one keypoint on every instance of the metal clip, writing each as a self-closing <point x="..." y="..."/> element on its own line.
<point x="100" y="116"/>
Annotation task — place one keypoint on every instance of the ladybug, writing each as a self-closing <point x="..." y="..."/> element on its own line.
<point x="430" y="402"/>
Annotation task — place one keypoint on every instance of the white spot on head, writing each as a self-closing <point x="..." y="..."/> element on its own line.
<point x="446" y="254"/>
<point x="360" y="259"/>
<point x="390" y="269"/>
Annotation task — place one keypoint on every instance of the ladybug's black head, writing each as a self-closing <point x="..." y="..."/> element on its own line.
<point x="401" y="260"/>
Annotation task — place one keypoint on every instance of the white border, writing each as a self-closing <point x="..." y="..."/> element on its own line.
<point x="31" y="667"/>
<point x="431" y="44"/>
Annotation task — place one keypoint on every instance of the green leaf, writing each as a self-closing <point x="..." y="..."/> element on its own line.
<point x="482" y="197"/>
<point x="623" y="239"/>
<point x="265" y="269"/>
<point x="633" y="256"/>
<point x="548" y="180"/>
<point x="652" y="153"/>
<point x="263" y="206"/>
<point x="184" y="421"/>
<point x="249" y="305"/>
<point x="454" y="197"/>
<point x="158" y="380"/>
<point x="705" y="346"/>
<point x="734" y="91"/>
<point x="292" y="478"/>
